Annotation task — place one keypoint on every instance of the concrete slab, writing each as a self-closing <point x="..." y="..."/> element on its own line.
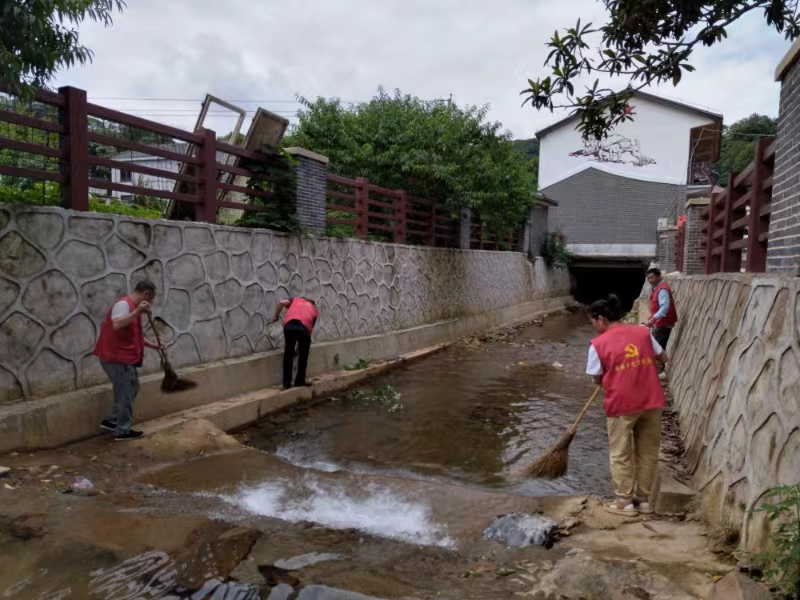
<point x="670" y="496"/>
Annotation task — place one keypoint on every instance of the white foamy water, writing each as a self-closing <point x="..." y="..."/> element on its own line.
<point x="375" y="510"/>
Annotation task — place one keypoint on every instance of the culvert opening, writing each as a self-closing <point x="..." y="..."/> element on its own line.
<point x="592" y="282"/>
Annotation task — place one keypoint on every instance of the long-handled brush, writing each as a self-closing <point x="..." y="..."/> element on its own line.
<point x="171" y="382"/>
<point x="554" y="463"/>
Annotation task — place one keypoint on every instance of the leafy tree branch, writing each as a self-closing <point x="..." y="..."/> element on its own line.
<point x="645" y="42"/>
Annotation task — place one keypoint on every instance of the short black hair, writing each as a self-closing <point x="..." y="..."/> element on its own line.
<point x="611" y="309"/>
<point x="654" y="271"/>
<point x="145" y="286"/>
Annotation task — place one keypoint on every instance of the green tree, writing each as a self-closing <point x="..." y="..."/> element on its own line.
<point x="738" y="144"/>
<point x="644" y="42"/>
<point x="39" y="37"/>
<point x="433" y="150"/>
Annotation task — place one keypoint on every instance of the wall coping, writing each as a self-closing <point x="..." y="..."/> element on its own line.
<point x="294" y="151"/>
<point x="788" y="60"/>
<point x="746" y="278"/>
<point x="698" y="202"/>
<point x="18" y="208"/>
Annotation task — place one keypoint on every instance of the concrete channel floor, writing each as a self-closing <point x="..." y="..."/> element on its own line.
<point x="155" y="522"/>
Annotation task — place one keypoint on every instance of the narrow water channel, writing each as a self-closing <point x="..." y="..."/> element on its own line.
<point x="471" y="414"/>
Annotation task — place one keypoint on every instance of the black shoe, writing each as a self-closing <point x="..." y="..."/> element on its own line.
<point x="130" y="435"/>
<point x="304" y="384"/>
<point x="286" y="387"/>
<point x="108" y="425"/>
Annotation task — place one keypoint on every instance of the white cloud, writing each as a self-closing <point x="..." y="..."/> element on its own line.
<point x="479" y="53"/>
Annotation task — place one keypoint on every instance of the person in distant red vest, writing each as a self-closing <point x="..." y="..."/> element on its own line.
<point x="623" y="360"/>
<point x="298" y="324"/>
<point x="663" y="314"/>
<point x="120" y="349"/>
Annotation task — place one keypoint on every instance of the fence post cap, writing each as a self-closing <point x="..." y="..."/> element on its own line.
<point x="295" y="151"/>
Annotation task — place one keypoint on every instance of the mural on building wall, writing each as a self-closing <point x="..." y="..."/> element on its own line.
<point x="615" y="148"/>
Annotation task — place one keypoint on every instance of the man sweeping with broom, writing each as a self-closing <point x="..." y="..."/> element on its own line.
<point x="120" y="349"/>
<point x="623" y="360"/>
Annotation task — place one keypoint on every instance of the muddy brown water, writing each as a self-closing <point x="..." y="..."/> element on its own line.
<point x="400" y="487"/>
<point x="471" y="414"/>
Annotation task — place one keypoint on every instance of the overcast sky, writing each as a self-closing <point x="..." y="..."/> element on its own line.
<point x="162" y="51"/>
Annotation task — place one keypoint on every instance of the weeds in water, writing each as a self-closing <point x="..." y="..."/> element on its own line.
<point x="384" y="395"/>
<point x="781" y="562"/>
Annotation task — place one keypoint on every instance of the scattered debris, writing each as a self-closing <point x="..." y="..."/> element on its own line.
<point x="357" y="366"/>
<point x="520" y="530"/>
<point x="82" y="487"/>
<point x="384" y="395"/>
<point x="4" y="471"/>
<point x="558" y="365"/>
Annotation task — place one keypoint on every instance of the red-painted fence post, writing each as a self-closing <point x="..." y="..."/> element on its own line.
<point x="362" y="203"/>
<point x="731" y="260"/>
<point x="206" y="210"/>
<point x="400" y="217"/>
<point x="75" y="144"/>
<point x="756" y="250"/>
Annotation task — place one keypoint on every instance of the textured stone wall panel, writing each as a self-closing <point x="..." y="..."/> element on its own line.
<point x="735" y="378"/>
<point x="218" y="286"/>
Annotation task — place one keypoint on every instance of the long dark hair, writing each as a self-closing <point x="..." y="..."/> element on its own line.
<point x="610" y="308"/>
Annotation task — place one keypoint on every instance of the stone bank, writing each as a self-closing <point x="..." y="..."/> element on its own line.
<point x="735" y="378"/>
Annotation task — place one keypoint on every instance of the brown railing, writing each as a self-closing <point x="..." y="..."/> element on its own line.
<point x="736" y="222"/>
<point x="358" y="208"/>
<point x="483" y="238"/>
<point x="76" y="128"/>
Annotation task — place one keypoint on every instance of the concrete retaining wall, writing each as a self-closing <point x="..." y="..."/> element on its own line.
<point x="735" y="377"/>
<point x="218" y="286"/>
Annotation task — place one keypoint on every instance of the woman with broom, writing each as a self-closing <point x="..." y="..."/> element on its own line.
<point x="622" y="358"/>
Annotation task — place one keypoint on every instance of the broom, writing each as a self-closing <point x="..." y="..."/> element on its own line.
<point x="171" y="382"/>
<point x="554" y="463"/>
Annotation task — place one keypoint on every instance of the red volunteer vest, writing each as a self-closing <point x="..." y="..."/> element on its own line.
<point x="630" y="378"/>
<point x="672" y="313"/>
<point x="302" y="310"/>
<point x="124" y="346"/>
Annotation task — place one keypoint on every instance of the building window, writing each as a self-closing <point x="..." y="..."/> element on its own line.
<point x="126" y="176"/>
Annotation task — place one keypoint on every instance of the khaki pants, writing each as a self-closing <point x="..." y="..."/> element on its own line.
<point x="633" y="443"/>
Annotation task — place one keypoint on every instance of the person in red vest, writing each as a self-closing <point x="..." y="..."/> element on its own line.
<point x="622" y="358"/>
<point x="298" y="324"/>
<point x="663" y="314"/>
<point x="120" y="349"/>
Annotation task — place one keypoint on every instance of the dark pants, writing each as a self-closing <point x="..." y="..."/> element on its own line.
<point x="125" y="381"/>
<point x="295" y="337"/>
<point x="661" y="335"/>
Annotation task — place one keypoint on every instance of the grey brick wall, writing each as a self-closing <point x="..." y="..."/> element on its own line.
<point x="667" y="247"/>
<point x="595" y="207"/>
<point x="311" y="173"/>
<point x="783" y="250"/>
<point x="694" y="256"/>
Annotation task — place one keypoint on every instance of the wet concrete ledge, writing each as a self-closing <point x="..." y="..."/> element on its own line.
<point x="66" y="418"/>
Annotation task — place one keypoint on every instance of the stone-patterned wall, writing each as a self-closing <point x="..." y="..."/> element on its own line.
<point x="735" y="377"/>
<point x="60" y="271"/>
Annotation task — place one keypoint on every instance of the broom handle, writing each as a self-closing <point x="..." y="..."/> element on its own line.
<point x="574" y="427"/>
<point x="162" y="352"/>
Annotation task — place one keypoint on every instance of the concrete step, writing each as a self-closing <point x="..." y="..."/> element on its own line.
<point x="670" y="496"/>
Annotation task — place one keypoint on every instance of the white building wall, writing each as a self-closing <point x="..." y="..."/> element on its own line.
<point x="653" y="147"/>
